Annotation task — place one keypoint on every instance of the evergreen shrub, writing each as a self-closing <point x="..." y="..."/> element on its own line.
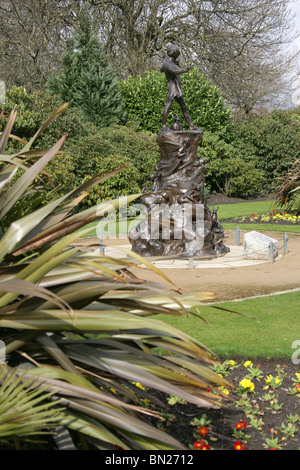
<point x="145" y="98"/>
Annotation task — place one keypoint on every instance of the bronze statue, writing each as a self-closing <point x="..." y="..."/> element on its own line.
<point x="173" y="72"/>
<point x="177" y="216"/>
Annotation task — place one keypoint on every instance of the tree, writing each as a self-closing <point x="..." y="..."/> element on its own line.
<point x="229" y="40"/>
<point x="262" y="72"/>
<point x="32" y="36"/>
<point x="87" y="80"/>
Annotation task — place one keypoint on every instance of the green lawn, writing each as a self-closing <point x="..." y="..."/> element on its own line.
<point x="226" y="211"/>
<point x="275" y="320"/>
<point x="229" y="211"/>
<point x="274" y="326"/>
<point x="262" y="227"/>
<point x="121" y="227"/>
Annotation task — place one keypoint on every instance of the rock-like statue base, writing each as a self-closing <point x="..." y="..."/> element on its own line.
<point x="177" y="218"/>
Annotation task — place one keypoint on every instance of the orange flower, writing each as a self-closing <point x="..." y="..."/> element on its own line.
<point x="203" y="431"/>
<point x="239" y="446"/>
<point x="298" y="387"/>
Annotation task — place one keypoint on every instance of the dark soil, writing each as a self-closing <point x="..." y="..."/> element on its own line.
<point x="223" y="421"/>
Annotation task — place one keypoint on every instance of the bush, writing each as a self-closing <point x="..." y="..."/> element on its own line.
<point x="139" y="147"/>
<point x="145" y="98"/>
<point x="33" y="109"/>
<point x="275" y="140"/>
<point x="88" y="150"/>
<point x="229" y="170"/>
<point x="89" y="159"/>
<point x="122" y="147"/>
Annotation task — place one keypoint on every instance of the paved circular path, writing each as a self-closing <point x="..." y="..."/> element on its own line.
<point x="230" y="276"/>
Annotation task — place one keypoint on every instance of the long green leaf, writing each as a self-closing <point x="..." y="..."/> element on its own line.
<point x="91" y="427"/>
<point x="19" y="228"/>
<point x="21" y="287"/>
<point x="75" y="222"/>
<point x="7" y="130"/>
<point x="14" y="193"/>
<point x="50" y="226"/>
<point x="24" y="410"/>
<point x="123" y="369"/>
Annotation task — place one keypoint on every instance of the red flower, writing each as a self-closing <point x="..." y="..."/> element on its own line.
<point x="198" y="445"/>
<point x="241" y="425"/>
<point x="256" y="406"/>
<point x="206" y="447"/>
<point x="298" y="387"/>
<point x="203" y="431"/>
<point x="273" y="431"/>
<point x="239" y="446"/>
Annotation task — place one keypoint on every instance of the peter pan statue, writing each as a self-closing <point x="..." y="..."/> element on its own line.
<point x="172" y="72"/>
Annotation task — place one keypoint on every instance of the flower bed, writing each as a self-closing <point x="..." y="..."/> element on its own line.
<point x="273" y="217"/>
<point x="264" y="413"/>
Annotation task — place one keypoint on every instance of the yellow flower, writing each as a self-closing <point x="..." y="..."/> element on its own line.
<point x="231" y="363"/>
<point x="277" y="380"/>
<point x="224" y="390"/>
<point x="246" y="383"/>
<point x="137" y="384"/>
<point x="297" y="374"/>
<point x="247" y="363"/>
<point x="269" y="378"/>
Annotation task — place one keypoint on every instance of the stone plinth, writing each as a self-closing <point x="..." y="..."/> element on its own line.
<point x="256" y="245"/>
<point x="177" y="218"/>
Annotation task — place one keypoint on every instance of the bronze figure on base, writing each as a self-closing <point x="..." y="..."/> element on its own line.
<point x="177" y="217"/>
<point x="173" y="71"/>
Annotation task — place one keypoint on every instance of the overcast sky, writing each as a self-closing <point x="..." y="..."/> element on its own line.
<point x="295" y="7"/>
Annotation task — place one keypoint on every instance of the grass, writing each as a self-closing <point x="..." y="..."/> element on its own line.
<point x="226" y="211"/>
<point x="121" y="227"/>
<point x="229" y="211"/>
<point x="270" y="332"/>
<point x="262" y="227"/>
